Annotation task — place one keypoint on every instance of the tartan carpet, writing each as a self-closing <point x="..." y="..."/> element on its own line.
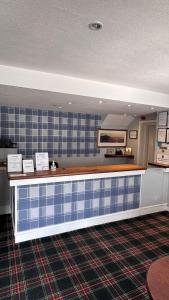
<point x="103" y="262"/>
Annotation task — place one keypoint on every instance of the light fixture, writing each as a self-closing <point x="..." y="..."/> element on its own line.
<point x="129" y="105"/>
<point x="60" y="107"/>
<point x="100" y="101"/>
<point x="95" y="26"/>
<point x="152" y="108"/>
<point x="69" y="102"/>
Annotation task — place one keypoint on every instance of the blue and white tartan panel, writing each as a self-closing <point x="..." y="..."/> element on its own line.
<point x="58" y="133"/>
<point x="48" y="204"/>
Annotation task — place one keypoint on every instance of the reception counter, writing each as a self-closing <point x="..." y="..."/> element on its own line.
<point x="157" y="165"/>
<point x="51" y="202"/>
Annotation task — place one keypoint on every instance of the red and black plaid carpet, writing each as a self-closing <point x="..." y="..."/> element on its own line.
<point x="103" y="262"/>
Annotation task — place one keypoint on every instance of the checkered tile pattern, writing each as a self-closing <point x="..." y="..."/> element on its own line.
<point x="99" y="263"/>
<point x="59" y="133"/>
<point x="49" y="204"/>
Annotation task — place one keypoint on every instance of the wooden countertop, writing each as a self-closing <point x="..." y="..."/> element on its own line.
<point x="76" y="171"/>
<point x="158" y="165"/>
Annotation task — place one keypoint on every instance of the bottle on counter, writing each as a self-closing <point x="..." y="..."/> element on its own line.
<point x="53" y="166"/>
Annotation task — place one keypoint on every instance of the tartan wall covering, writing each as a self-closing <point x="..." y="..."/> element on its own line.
<point x="107" y="262"/>
<point x="59" y="133"/>
<point x="48" y="204"/>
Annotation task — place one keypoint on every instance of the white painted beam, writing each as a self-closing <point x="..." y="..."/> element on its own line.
<point x="33" y="79"/>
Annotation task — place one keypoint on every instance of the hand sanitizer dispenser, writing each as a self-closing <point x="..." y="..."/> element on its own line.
<point x="53" y="166"/>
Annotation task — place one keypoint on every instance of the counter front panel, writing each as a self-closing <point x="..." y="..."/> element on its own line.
<point x="41" y="205"/>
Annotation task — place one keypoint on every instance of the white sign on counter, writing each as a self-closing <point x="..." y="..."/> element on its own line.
<point x="28" y="166"/>
<point x="42" y="161"/>
<point x="14" y="162"/>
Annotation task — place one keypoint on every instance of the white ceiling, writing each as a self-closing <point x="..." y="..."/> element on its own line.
<point x="51" y="100"/>
<point x="132" y="48"/>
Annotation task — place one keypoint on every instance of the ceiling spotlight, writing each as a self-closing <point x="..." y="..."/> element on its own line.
<point x="69" y="102"/>
<point x="95" y="26"/>
<point x="100" y="101"/>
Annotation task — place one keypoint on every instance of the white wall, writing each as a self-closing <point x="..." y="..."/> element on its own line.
<point x="89" y="161"/>
<point x="117" y="121"/>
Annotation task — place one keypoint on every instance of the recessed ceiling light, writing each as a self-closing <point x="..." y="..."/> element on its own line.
<point x="129" y="105"/>
<point x="152" y="108"/>
<point x="60" y="107"/>
<point x="100" y="101"/>
<point x="95" y="26"/>
<point x="69" y="102"/>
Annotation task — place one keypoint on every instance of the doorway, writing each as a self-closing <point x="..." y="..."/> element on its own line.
<point x="146" y="142"/>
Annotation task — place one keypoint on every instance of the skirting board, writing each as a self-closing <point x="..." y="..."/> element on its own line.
<point x="79" y="224"/>
<point x="5" y="209"/>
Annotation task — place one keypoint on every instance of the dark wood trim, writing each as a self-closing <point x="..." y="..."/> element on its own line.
<point x="118" y="155"/>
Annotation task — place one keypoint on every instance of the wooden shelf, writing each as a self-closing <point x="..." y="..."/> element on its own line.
<point x="118" y="155"/>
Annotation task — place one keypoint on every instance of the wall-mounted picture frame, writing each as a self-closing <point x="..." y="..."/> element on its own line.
<point x="111" y="138"/>
<point x="161" y="135"/>
<point x="162" y="118"/>
<point x="133" y="134"/>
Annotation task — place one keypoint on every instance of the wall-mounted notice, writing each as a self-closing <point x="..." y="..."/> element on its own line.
<point x="28" y="166"/>
<point x="162" y="118"/>
<point x="42" y="161"/>
<point x="14" y="162"/>
<point x="161" y="135"/>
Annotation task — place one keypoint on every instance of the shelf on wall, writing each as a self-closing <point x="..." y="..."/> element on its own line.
<point x="118" y="155"/>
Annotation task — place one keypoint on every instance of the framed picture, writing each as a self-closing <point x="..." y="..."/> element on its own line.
<point x="111" y="138"/>
<point x="167" y="139"/>
<point x="133" y="134"/>
<point x="162" y="118"/>
<point x="161" y="135"/>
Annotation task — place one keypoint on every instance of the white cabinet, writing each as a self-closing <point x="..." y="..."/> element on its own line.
<point x="154" y="188"/>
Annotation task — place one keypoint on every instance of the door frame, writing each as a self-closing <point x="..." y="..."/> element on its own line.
<point x="143" y="147"/>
